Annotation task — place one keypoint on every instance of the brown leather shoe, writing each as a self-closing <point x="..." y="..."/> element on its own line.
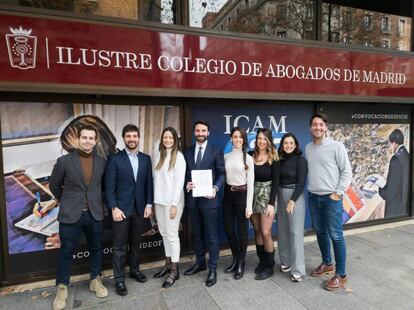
<point x="322" y="270"/>
<point x="336" y="282"/>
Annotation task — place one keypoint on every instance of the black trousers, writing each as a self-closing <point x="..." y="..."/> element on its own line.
<point x="126" y="233"/>
<point x="235" y="222"/>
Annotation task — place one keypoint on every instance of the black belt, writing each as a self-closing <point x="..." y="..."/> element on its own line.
<point x="290" y="186"/>
<point x="237" y="188"/>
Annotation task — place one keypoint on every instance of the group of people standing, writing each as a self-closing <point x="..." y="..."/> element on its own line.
<point x="269" y="182"/>
<point x="256" y="186"/>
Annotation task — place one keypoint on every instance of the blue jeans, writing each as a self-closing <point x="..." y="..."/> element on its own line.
<point x="69" y="237"/>
<point x="327" y="222"/>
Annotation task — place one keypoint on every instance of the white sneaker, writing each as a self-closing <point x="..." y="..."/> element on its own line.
<point x="97" y="287"/>
<point x="61" y="295"/>
<point x="284" y="268"/>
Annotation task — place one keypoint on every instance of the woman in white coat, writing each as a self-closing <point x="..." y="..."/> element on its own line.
<point x="169" y="175"/>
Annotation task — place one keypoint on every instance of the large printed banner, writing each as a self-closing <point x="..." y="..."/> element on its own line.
<point x="279" y="118"/>
<point x="379" y="189"/>
<point x="364" y="130"/>
<point x="34" y="135"/>
<point x="99" y="57"/>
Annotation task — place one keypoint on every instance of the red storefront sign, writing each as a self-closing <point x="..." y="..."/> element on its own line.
<point x="37" y="51"/>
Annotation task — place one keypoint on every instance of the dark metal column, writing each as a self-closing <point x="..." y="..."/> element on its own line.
<point x="317" y="19"/>
<point x="412" y="32"/>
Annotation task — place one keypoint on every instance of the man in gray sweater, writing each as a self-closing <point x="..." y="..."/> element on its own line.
<point x="329" y="176"/>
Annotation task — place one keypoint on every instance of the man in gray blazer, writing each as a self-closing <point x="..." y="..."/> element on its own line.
<point x="76" y="183"/>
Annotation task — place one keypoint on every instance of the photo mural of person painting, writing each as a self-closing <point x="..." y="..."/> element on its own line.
<point x="379" y="158"/>
<point x="44" y="132"/>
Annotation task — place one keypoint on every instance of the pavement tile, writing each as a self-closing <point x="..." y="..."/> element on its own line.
<point x="383" y="271"/>
<point x="406" y="228"/>
<point x="248" y="293"/>
<point x="380" y="268"/>
<point x="377" y="293"/>
<point x="17" y="301"/>
<point x="388" y="237"/>
<point x="146" y="302"/>
<point x="189" y="297"/>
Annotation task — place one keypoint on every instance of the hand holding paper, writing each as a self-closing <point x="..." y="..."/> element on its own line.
<point x="202" y="181"/>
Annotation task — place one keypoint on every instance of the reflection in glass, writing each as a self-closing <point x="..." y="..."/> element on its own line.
<point x="347" y="25"/>
<point x="163" y="11"/>
<point x="280" y="18"/>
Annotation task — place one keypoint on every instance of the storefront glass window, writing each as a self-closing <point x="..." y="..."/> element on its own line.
<point x="347" y="25"/>
<point x="34" y="135"/>
<point x="163" y="11"/>
<point x="276" y="18"/>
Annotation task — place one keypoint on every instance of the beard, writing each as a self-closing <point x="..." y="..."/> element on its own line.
<point x="132" y="145"/>
<point x="201" y="139"/>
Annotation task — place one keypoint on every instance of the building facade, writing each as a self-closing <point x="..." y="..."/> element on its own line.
<point x="169" y="63"/>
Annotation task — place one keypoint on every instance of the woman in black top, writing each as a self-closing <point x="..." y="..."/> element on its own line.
<point x="291" y="207"/>
<point x="266" y="177"/>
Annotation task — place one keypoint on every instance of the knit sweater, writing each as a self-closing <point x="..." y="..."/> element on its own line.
<point x="329" y="170"/>
<point x="237" y="175"/>
<point x="86" y="162"/>
<point x="293" y="170"/>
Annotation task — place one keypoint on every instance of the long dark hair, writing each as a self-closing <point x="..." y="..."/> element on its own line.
<point x="163" y="150"/>
<point x="297" y="149"/>
<point x="243" y="134"/>
<point x="271" y="150"/>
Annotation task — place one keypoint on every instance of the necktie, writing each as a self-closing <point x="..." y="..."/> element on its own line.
<point x="199" y="156"/>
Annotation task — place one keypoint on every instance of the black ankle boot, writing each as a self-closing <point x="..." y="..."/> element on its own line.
<point x="165" y="269"/>
<point x="239" y="273"/>
<point x="260" y="254"/>
<point x="172" y="277"/>
<point x="232" y="268"/>
<point x="269" y="262"/>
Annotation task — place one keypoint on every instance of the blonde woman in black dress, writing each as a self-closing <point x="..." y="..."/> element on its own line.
<point x="266" y="172"/>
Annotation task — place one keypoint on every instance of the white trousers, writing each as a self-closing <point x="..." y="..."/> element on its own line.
<point x="169" y="230"/>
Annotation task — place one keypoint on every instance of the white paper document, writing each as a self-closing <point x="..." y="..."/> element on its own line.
<point x="46" y="225"/>
<point x="203" y="183"/>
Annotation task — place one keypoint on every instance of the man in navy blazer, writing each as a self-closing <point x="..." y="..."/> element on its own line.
<point x="204" y="211"/>
<point x="129" y="195"/>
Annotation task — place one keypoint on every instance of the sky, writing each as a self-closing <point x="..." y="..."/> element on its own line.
<point x="198" y="10"/>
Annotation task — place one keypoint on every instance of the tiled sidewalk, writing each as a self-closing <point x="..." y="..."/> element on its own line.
<point x="380" y="270"/>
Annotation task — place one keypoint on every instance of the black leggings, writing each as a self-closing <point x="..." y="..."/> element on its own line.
<point x="235" y="222"/>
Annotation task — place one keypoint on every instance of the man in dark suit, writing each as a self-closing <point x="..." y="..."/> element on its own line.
<point x="204" y="211"/>
<point x="76" y="184"/>
<point x="396" y="191"/>
<point x="129" y="196"/>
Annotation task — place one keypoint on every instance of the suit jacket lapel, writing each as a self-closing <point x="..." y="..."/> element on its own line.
<point x="192" y="155"/>
<point x="140" y="165"/>
<point x="205" y="155"/>
<point x="78" y="168"/>
<point x="94" y="167"/>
